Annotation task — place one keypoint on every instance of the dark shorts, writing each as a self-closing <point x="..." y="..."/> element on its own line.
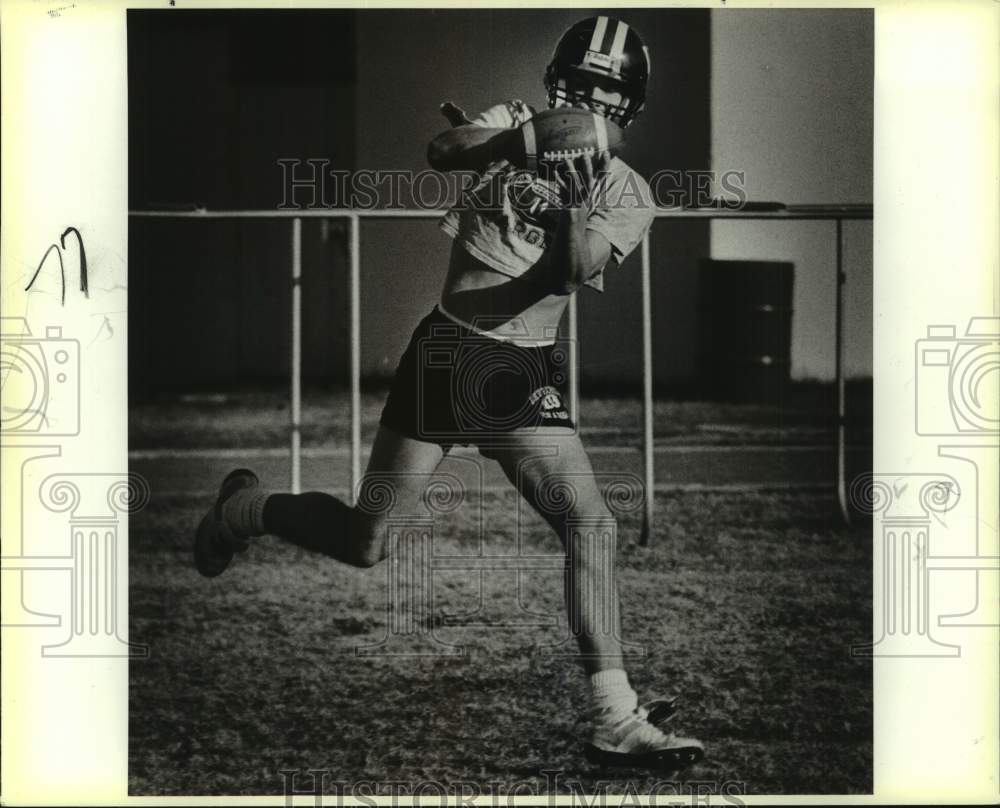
<point x="454" y="386"/>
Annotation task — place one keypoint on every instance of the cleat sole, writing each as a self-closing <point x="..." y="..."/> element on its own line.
<point x="664" y="760"/>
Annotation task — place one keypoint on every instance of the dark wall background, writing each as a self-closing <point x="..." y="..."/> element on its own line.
<point x="792" y="104"/>
<point x="215" y="99"/>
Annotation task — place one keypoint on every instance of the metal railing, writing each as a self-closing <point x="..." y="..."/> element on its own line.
<point x="835" y="213"/>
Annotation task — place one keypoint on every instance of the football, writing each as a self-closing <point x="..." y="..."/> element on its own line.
<point x="554" y="135"/>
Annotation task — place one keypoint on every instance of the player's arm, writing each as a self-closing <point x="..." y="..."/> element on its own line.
<point x="470" y="147"/>
<point x="576" y="254"/>
<point x="473" y="146"/>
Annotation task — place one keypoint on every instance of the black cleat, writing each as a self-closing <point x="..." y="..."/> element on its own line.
<point x="215" y="542"/>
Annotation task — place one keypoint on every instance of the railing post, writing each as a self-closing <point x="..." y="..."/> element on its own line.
<point x="355" y="280"/>
<point x="295" y="409"/>
<point x="839" y="373"/>
<point x="647" y="393"/>
<point x="573" y="359"/>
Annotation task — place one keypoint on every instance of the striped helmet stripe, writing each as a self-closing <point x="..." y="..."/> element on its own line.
<point x="598" y="36"/>
<point x="601" y="130"/>
<point x="618" y="45"/>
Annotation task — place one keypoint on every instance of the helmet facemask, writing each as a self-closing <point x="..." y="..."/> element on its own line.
<point x="579" y="91"/>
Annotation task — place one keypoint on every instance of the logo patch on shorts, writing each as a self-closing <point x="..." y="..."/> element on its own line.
<point x="551" y="403"/>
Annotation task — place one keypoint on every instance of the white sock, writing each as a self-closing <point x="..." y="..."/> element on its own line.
<point x="244" y="512"/>
<point x="611" y="694"/>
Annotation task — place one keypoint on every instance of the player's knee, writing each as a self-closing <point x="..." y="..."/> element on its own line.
<point x="586" y="510"/>
<point x="592" y="538"/>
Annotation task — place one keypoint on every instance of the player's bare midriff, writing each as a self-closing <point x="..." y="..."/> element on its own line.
<point x="481" y="296"/>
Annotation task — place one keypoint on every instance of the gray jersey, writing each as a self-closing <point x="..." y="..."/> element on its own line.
<point x="500" y="220"/>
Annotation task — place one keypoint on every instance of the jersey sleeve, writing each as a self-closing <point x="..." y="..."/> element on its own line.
<point x="507" y="115"/>
<point x="623" y="215"/>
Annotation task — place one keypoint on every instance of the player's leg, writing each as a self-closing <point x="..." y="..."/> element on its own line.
<point x="552" y="471"/>
<point x="397" y="474"/>
<point x="400" y="466"/>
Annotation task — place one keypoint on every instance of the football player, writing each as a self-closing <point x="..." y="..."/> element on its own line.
<point x="523" y="243"/>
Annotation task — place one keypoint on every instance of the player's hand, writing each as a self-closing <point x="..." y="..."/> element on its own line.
<point x="456" y="115"/>
<point x="582" y="179"/>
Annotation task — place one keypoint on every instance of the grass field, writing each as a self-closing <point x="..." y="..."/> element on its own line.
<point x="746" y="603"/>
